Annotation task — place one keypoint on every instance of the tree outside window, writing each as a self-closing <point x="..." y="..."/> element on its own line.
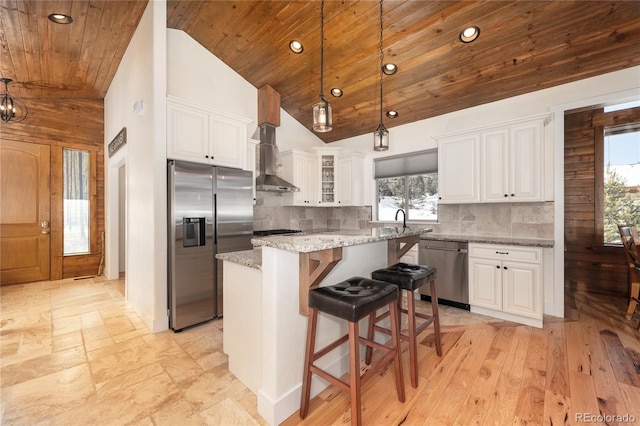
<point x="417" y="195"/>
<point x="76" y="201"/>
<point x="621" y="182"/>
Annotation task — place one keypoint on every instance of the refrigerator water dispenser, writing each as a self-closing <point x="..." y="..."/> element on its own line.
<point x="193" y="229"/>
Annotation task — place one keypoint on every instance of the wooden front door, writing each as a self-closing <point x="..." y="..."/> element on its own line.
<point x="24" y="212"/>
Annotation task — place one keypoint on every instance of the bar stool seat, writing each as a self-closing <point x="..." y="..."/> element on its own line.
<point x="352" y="300"/>
<point x="410" y="277"/>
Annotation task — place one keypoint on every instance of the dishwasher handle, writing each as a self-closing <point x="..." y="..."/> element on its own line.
<point x="457" y="250"/>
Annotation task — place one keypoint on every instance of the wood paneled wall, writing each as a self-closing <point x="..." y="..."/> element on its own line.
<point x="589" y="265"/>
<point x="67" y="123"/>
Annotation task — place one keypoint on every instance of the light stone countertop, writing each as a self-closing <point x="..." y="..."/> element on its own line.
<point x="315" y="241"/>
<point x="512" y="241"/>
<point x="309" y="242"/>
<point x="244" y="258"/>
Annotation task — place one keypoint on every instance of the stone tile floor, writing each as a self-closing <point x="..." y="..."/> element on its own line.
<point x="74" y="353"/>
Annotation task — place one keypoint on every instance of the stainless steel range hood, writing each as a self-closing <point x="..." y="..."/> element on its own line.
<point x="267" y="179"/>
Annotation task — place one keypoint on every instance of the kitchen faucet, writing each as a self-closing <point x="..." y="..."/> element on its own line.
<point x="404" y="218"/>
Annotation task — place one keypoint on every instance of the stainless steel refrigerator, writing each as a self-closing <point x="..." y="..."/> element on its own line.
<point x="210" y="211"/>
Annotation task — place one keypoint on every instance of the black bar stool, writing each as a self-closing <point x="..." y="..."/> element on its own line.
<point x="352" y="300"/>
<point x="410" y="277"/>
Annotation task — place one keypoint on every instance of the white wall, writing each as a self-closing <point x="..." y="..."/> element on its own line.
<point x="195" y="75"/>
<point x="141" y="76"/>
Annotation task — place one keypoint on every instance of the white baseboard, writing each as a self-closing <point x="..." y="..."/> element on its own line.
<point x="533" y="322"/>
<point x="275" y="412"/>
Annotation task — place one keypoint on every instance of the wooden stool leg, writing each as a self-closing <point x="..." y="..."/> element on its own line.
<point x="633" y="296"/>
<point x="397" y="360"/>
<point x="413" y="339"/>
<point x="308" y="360"/>
<point x="354" y="373"/>
<point x="369" y="350"/>
<point x="436" y="317"/>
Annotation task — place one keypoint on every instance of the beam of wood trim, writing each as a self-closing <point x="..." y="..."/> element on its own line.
<point x="314" y="267"/>
<point x="616" y="118"/>
<point x="396" y="249"/>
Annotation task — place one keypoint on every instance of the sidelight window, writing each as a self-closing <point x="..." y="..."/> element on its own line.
<point x="76" y="201"/>
<point x="408" y="182"/>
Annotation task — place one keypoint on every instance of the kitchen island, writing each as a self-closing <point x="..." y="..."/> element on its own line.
<point x="265" y="306"/>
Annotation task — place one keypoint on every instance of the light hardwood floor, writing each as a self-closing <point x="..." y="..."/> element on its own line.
<point x="73" y="353"/>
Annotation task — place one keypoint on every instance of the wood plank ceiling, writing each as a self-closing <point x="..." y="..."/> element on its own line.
<point x="523" y="46"/>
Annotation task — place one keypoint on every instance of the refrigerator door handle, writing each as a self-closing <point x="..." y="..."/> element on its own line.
<point x="215" y="222"/>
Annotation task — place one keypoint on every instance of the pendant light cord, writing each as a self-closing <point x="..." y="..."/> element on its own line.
<point x="381" y="61"/>
<point x="322" y="51"/>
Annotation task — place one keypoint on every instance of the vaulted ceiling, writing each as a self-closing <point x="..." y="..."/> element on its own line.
<point x="523" y="46"/>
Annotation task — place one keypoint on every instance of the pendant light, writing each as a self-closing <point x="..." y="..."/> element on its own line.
<point x="381" y="135"/>
<point x="9" y="108"/>
<point x="322" y="109"/>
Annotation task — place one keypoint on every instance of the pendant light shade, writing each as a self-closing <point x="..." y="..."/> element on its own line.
<point x="381" y="135"/>
<point x="322" y="116"/>
<point x="322" y="120"/>
<point x="381" y="138"/>
<point x="10" y="110"/>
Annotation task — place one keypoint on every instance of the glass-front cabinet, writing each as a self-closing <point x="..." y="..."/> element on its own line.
<point x="328" y="179"/>
<point x="328" y="165"/>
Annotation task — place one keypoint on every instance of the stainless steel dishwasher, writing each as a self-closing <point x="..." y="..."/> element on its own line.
<point x="450" y="259"/>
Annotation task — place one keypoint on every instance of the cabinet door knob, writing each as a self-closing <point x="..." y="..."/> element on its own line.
<point x="498" y="266"/>
<point x="513" y="195"/>
<point x="506" y="195"/>
<point x="505" y="267"/>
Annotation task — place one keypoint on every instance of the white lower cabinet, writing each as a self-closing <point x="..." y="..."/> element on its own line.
<point x="506" y="282"/>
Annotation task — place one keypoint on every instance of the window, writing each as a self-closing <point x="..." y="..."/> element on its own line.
<point x="408" y="182"/>
<point x="621" y="180"/>
<point x="76" y="201"/>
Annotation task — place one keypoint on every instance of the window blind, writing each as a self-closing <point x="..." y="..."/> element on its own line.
<point x="414" y="163"/>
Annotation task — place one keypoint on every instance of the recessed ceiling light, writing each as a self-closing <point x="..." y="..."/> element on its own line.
<point x="336" y="92"/>
<point x="392" y="114"/>
<point x="296" y="46"/>
<point x="389" y="69"/>
<point x="469" y="34"/>
<point x="60" y="18"/>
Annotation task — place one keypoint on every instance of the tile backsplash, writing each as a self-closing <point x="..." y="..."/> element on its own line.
<point x="526" y="220"/>
<point x="269" y="213"/>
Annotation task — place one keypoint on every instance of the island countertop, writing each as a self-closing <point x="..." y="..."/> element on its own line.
<point x="306" y="243"/>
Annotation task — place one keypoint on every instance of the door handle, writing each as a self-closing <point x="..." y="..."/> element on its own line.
<point x="45" y="226"/>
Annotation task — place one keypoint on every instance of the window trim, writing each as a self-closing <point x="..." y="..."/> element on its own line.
<point x="619" y="119"/>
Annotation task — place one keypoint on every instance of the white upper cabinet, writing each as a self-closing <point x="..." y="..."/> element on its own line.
<point x="202" y="135"/>
<point x="494" y="164"/>
<point x="511" y="163"/>
<point x="351" y="183"/>
<point x="458" y="172"/>
<point x="325" y="178"/>
<point x="301" y="169"/>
